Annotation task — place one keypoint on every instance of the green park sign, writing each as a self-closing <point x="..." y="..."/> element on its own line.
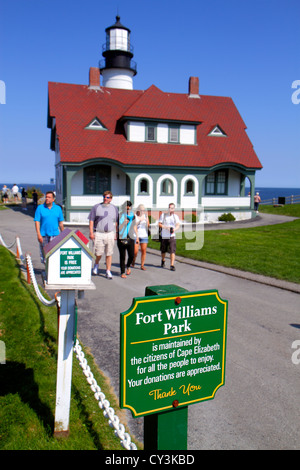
<point x="70" y="262"/>
<point x="173" y="350"/>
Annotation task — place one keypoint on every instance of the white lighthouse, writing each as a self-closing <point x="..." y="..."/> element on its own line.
<point x="118" y="68"/>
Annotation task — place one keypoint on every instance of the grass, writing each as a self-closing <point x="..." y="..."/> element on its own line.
<point x="28" y="378"/>
<point x="292" y="210"/>
<point x="272" y="250"/>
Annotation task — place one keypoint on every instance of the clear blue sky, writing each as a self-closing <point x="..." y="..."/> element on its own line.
<point x="245" y="49"/>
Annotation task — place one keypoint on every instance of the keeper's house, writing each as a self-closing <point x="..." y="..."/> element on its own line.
<point x="149" y="146"/>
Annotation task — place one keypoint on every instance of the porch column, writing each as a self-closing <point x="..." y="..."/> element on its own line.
<point x="252" y="181"/>
<point x="70" y="172"/>
<point x="201" y="180"/>
<point x="243" y="184"/>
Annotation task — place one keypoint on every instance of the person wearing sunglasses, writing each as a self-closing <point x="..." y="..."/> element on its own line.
<point x="103" y="221"/>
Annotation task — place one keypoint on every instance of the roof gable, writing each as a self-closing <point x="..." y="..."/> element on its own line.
<point x="64" y="236"/>
<point x="154" y="104"/>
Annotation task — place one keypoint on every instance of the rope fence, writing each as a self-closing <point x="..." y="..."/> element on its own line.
<point x="104" y="404"/>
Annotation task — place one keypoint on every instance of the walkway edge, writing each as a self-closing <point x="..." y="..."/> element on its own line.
<point x="269" y="281"/>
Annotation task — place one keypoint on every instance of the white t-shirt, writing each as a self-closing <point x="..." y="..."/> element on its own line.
<point x="169" y="221"/>
<point x="142" y="226"/>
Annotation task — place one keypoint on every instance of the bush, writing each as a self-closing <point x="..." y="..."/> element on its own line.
<point x="226" y="217"/>
<point x="29" y="192"/>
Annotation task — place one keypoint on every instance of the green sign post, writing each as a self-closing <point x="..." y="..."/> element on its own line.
<point x="173" y="349"/>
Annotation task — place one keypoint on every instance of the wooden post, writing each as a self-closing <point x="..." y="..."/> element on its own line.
<point x="64" y="363"/>
<point x="28" y="273"/>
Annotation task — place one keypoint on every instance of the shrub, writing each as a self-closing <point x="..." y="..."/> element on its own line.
<point x="226" y="217"/>
<point x="29" y="192"/>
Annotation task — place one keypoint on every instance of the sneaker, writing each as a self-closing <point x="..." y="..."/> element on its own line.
<point x="108" y="275"/>
<point x="95" y="270"/>
<point x="172" y="268"/>
<point x="162" y="263"/>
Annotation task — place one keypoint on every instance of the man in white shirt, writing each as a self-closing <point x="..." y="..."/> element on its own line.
<point x="15" y="190"/>
<point x="168" y="223"/>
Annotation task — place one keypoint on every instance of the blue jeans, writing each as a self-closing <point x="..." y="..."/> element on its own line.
<point x="46" y="240"/>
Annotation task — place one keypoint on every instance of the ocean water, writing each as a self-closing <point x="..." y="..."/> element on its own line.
<point x="43" y="187"/>
<point x="265" y="193"/>
<point x="270" y="193"/>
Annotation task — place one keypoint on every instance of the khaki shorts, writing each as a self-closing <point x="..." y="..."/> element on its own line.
<point x="104" y="243"/>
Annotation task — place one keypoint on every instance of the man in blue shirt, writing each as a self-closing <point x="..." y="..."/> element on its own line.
<point x="48" y="220"/>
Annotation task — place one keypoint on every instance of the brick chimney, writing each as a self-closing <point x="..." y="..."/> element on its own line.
<point x="194" y="87"/>
<point x="94" y="78"/>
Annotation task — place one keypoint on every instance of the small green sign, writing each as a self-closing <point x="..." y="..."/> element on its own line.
<point x="173" y="350"/>
<point x="70" y="262"/>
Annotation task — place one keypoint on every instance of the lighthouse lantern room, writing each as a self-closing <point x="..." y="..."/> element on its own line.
<point x="117" y="68"/>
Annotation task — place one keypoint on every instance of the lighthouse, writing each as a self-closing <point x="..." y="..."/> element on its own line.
<point x="117" y="68"/>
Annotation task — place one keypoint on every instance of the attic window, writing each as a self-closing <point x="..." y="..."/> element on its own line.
<point x="96" y="124"/>
<point x="218" y="132"/>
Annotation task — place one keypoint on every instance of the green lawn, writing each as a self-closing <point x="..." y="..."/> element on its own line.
<point x="272" y="250"/>
<point x="28" y="378"/>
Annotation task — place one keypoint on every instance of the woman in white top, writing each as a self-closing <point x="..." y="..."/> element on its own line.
<point x="142" y="230"/>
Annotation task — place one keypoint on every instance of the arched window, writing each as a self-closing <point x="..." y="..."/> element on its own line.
<point x="190" y="187"/>
<point x="167" y="187"/>
<point x="144" y="186"/>
<point x="97" y="179"/>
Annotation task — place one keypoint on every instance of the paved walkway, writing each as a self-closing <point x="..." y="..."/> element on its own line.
<point x="260" y="220"/>
<point x="259" y="406"/>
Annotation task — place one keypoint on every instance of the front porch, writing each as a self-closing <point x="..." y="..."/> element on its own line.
<point x="82" y="189"/>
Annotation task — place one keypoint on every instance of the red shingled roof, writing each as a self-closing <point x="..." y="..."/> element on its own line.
<point x="75" y="106"/>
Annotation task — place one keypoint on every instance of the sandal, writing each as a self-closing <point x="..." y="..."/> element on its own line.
<point x="128" y="271"/>
<point x="123" y="276"/>
<point x="143" y="268"/>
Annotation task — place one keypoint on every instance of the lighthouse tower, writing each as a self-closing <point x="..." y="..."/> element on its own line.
<point x="118" y="68"/>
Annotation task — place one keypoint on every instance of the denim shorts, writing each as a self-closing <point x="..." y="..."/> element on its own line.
<point x="143" y="240"/>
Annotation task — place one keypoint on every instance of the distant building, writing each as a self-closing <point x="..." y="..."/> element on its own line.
<point x="149" y="146"/>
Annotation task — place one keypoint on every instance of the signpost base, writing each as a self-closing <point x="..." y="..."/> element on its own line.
<point x="64" y="363"/>
<point x="166" y="431"/>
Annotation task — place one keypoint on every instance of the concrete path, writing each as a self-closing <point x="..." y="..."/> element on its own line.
<point x="259" y="406"/>
<point x="260" y="220"/>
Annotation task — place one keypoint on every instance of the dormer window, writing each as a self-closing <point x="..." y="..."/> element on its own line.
<point x="217" y="132"/>
<point x="150" y="133"/>
<point x="138" y="130"/>
<point x="96" y="125"/>
<point x="174" y="134"/>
